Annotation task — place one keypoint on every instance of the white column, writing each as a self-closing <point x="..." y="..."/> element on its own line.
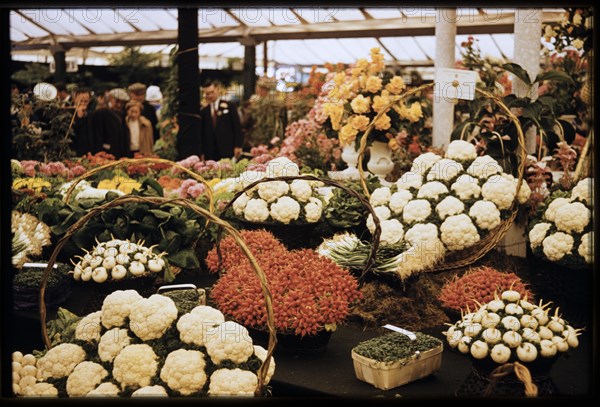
<point x="443" y="110"/>
<point x="528" y="31"/>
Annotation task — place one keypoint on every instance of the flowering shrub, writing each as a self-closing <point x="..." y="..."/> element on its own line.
<point x="479" y="286"/>
<point x="310" y="293"/>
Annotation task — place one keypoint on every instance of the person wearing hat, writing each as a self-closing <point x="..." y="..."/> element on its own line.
<point x="137" y="92"/>
<point x="154" y="97"/>
<point x="140" y="130"/>
<point x="108" y="126"/>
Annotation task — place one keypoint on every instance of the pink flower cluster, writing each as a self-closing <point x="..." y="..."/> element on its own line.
<point x="190" y="188"/>
<point x="31" y="168"/>
<point x="193" y="162"/>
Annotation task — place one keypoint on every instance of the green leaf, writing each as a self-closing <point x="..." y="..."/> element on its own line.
<point x="152" y="183"/>
<point x="170" y="243"/>
<point x="160" y="214"/>
<point x="185" y="259"/>
<point x="557" y="76"/>
<point x="518" y="71"/>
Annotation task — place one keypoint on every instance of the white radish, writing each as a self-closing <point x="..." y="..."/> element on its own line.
<point x="100" y="275"/>
<point x="527" y="352"/>
<point x="118" y="272"/>
<point x="500" y="353"/>
<point x="136" y="268"/>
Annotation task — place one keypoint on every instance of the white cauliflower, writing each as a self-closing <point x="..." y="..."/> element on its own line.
<point x="193" y="326"/>
<point x="88" y="328"/>
<point x="485" y="214"/>
<point x="248" y="177"/>
<point x="432" y="189"/>
<point x="116" y="307"/>
<point x="60" y="361"/>
<point x="183" y="371"/>
<point x="449" y="206"/>
<point x="584" y="191"/>
<point x="557" y="245"/>
<point x="466" y="187"/>
<point x="282" y="167"/>
<point x="524" y="192"/>
<point x="285" y="210"/>
<point x="256" y="210"/>
<point x="500" y="191"/>
<point x="301" y="190"/>
<point x="261" y="353"/>
<point x="270" y="191"/>
<point x="85" y="377"/>
<point x="151" y="317"/>
<point x="444" y="170"/>
<point x="107" y="389"/>
<point x="239" y="205"/>
<point x="229" y="341"/>
<point x="410" y="180"/>
<point x="313" y="210"/>
<point x="538" y="233"/>
<point x="40" y="390"/>
<point x="232" y="382"/>
<point x="484" y="167"/>
<point x="586" y="247"/>
<point x="135" y="366"/>
<point x="424" y="162"/>
<point x="572" y="217"/>
<point x="416" y="210"/>
<point x="381" y="196"/>
<point x="382" y="213"/>
<point x="461" y="150"/>
<point x="554" y="206"/>
<point x="150" y="391"/>
<point x="398" y="200"/>
<point x="112" y="342"/>
<point x="458" y="232"/>
<point x="94" y="193"/>
<point x="423" y="255"/>
<point x="391" y="231"/>
<point x="421" y="232"/>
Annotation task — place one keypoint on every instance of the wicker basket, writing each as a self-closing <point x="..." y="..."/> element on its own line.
<point x="468" y="256"/>
<point x="290" y="229"/>
<point x="211" y="217"/>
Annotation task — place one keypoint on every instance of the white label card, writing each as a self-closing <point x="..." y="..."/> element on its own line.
<point x="410" y="334"/>
<point x="39" y="265"/>
<point x="453" y="84"/>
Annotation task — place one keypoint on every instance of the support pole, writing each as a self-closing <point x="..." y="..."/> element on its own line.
<point x="249" y="75"/>
<point x="60" y="64"/>
<point x="265" y="56"/>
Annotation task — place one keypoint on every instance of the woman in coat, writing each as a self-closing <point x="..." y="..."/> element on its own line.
<point x="141" y="139"/>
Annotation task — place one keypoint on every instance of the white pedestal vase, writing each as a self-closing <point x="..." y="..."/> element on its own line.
<point x="380" y="163"/>
<point x="350" y="157"/>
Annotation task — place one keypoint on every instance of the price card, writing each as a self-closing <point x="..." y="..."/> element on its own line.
<point x="410" y="334"/>
<point x="453" y="84"/>
<point x="38" y="265"/>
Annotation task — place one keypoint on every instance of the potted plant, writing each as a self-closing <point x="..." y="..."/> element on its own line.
<point x="311" y="295"/>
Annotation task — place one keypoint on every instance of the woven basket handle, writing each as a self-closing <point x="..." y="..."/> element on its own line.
<point x="374" y="236"/>
<point x="583" y="157"/>
<point x="262" y="372"/>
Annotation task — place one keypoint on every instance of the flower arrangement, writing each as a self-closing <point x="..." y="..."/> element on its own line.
<point x="120" y="183"/>
<point x="562" y="231"/>
<point x="280" y="202"/>
<point x="34" y="184"/>
<point x="444" y="205"/>
<point x="30" y="236"/>
<point x="136" y="347"/>
<point x="574" y="31"/>
<point x="480" y="286"/>
<point x="309" y="293"/>
<point x="358" y="95"/>
<point x="510" y="328"/>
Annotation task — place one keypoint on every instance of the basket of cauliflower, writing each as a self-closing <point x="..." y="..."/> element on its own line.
<point x="150" y="342"/>
<point x="146" y="347"/>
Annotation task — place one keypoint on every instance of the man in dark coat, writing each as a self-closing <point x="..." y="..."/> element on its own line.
<point x="221" y="126"/>
<point x="108" y="125"/>
<point x="137" y="92"/>
<point x="83" y="141"/>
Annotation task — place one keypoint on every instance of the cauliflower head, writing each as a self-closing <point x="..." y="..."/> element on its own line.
<point x="572" y="217"/>
<point x="88" y="328"/>
<point x="248" y="177"/>
<point x="485" y="214"/>
<point x="421" y="232"/>
<point x="232" y="382"/>
<point x="239" y="205"/>
<point x="461" y="150"/>
<point x="106" y="389"/>
<point x="444" y="170"/>
<point x="183" y="371"/>
<point x="151" y="317"/>
<point x="382" y="213"/>
<point x="424" y="162"/>
<point x="584" y="191"/>
<point x="301" y="190"/>
<point x="117" y="306"/>
<point x="85" y="377"/>
<point x="554" y="206"/>
<point x="449" y="206"/>
<point x="112" y="342"/>
<point x="538" y="233"/>
<point x="261" y="353"/>
<point x="410" y="180"/>
<point x="586" y="247"/>
<point x="150" y="391"/>
<point x="557" y="245"/>
<point x="40" y="390"/>
<point x="136" y="365"/>
<point x="433" y="190"/>
<point x="381" y="196"/>
<point x="500" y="191"/>
<point x="484" y="167"/>
<point x="416" y="210"/>
<point x="193" y="326"/>
<point x="391" y="231"/>
<point x="229" y="341"/>
<point x="524" y="192"/>
<point x="466" y="187"/>
<point x="313" y="210"/>
<point x="256" y="210"/>
<point x="285" y="210"/>
<point x="60" y="360"/>
<point x="398" y="200"/>
<point x="282" y="167"/>
<point x="270" y="191"/>
<point x="458" y="232"/>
